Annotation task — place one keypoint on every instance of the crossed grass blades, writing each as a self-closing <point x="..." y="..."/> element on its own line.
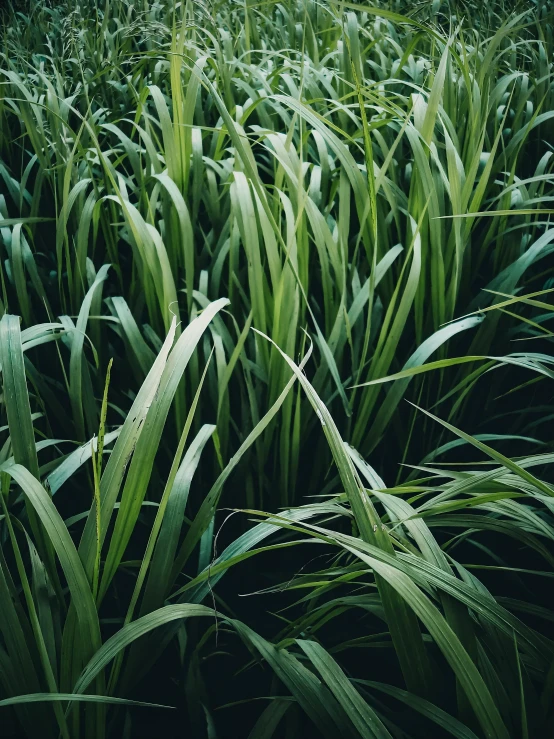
<point x="236" y="238"/>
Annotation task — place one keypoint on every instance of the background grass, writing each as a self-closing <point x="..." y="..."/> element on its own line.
<point x="236" y="238"/>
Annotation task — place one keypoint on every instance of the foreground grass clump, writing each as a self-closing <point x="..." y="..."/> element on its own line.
<point x="236" y="239"/>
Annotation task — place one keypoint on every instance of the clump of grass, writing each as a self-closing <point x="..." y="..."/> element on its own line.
<point x="236" y="238"/>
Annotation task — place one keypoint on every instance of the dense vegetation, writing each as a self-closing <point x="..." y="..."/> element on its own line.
<point x="236" y="238"/>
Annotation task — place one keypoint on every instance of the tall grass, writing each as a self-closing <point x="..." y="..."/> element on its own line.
<point x="237" y="238"/>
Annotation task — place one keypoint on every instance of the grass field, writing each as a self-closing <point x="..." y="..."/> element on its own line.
<point x="276" y="354"/>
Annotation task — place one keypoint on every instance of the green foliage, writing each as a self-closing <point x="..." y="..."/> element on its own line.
<point x="236" y="237"/>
